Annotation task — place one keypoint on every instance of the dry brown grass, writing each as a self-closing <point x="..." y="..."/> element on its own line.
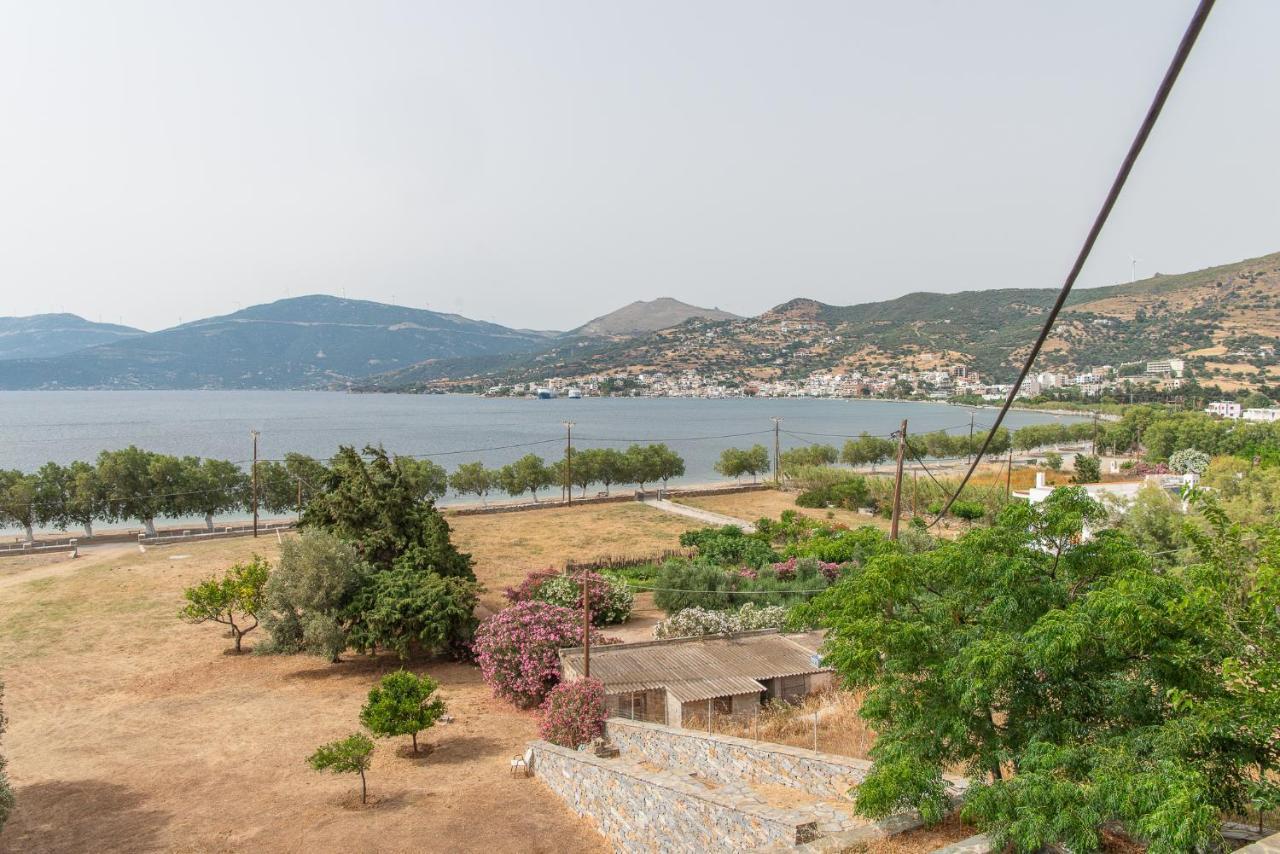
<point x="131" y="731"/>
<point x="507" y="546"/>
<point x="840" y="729"/>
<point x="919" y="841"/>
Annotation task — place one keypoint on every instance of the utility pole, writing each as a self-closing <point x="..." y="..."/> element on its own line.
<point x="299" y="498"/>
<point x="1008" y="475"/>
<point x="586" y="626"/>
<point x="969" y="455"/>
<point x="254" y="433"/>
<point x="777" y="453"/>
<point x="568" y="461"/>
<point x="897" y="481"/>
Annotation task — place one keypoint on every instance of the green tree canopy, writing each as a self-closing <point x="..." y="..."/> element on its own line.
<point x="402" y="704"/>
<point x="351" y="755"/>
<point x="527" y="474"/>
<point x="472" y="479"/>
<point x="1077" y="683"/>
<point x="309" y="597"/>
<point x="374" y="505"/>
<point x="239" y="594"/>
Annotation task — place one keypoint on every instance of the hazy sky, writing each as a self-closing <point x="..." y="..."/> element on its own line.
<point x="538" y="163"/>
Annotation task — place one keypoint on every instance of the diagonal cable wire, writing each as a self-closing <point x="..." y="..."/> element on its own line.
<point x="1131" y="157"/>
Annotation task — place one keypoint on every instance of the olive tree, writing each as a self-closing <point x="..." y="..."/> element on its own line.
<point x="308" y="597"/>
<point x="472" y="479"/>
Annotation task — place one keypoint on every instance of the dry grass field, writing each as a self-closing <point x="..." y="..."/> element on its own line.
<point x="132" y="731"/>
<point x="507" y="546"/>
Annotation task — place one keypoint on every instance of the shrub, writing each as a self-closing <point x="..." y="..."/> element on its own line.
<point x="1189" y="461"/>
<point x="6" y="794"/>
<point x="695" y="622"/>
<point x="728" y="545"/>
<point x="1053" y="460"/>
<point x="528" y="589"/>
<point x="517" y="649"/>
<point x="684" y="584"/>
<point x="1088" y="469"/>
<point x="573" y="713"/>
<point x="310" y="593"/>
<point x="611" y="598"/>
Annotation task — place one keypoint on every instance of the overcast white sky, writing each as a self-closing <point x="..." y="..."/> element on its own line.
<point x="539" y="163"/>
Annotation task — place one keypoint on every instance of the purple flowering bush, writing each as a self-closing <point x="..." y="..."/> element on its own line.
<point x="573" y="713"/>
<point x="517" y="648"/>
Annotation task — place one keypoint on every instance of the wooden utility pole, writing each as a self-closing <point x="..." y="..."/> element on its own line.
<point x="586" y="626"/>
<point x="568" y="461"/>
<point x="299" y="498"/>
<point x="1008" y="475"/>
<point x="897" y="481"/>
<point x="254" y="433"/>
<point x="969" y="455"/>
<point x="777" y="452"/>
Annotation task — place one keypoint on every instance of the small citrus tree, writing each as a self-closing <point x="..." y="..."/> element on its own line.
<point x="350" y="755"/>
<point x="573" y="713"/>
<point x="402" y="704"/>
<point x="239" y="592"/>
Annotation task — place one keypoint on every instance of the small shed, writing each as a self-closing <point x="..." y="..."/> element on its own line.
<point x="666" y="681"/>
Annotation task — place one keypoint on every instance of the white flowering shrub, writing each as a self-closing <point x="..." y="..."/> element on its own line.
<point x="1189" y="461"/>
<point x="695" y="622"/>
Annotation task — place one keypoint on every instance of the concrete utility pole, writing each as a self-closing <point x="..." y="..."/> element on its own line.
<point x="568" y="461"/>
<point x="586" y="626"/>
<point x="254" y="433"/>
<point x="777" y="452"/>
<point x="897" y="481"/>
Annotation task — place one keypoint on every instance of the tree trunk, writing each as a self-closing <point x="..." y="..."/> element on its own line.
<point x="415" y="741"/>
<point x="236" y="634"/>
<point x="208" y="521"/>
<point x="364" y="789"/>
<point x="150" y="525"/>
<point x="88" y="529"/>
<point x="31" y="534"/>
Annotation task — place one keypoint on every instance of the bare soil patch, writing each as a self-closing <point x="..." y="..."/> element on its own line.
<point x="131" y="731"/>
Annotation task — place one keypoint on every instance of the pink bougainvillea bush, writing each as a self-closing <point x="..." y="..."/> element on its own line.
<point x="517" y="648"/>
<point x="611" y="598"/>
<point x="528" y="589"/>
<point x="574" y="713"/>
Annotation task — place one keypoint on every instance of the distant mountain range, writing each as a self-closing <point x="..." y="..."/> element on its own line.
<point x="304" y="342"/>
<point x="1223" y="319"/>
<point x="641" y="316"/>
<point x="43" y="335"/>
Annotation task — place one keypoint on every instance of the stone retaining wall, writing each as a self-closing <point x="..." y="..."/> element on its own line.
<point x="640" y="811"/>
<point x="724" y="758"/>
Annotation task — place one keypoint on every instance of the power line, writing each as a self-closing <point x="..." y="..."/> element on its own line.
<point x="1122" y="176"/>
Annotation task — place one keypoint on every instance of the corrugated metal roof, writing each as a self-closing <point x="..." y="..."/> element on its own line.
<point x="699" y="668"/>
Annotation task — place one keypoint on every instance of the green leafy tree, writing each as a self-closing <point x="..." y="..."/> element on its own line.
<point x="239" y="594"/>
<point x="473" y="479"/>
<point x="867" y="450"/>
<point x="132" y="480"/>
<point x="527" y="474"/>
<point x="1079" y="685"/>
<point x="351" y="755"/>
<point x="1189" y="461"/>
<point x="808" y="455"/>
<point x="85" y="496"/>
<point x="6" y="793"/>
<point x="666" y="463"/>
<point x="213" y="487"/>
<point x="310" y="594"/>
<point x="280" y="484"/>
<point x="585" y="469"/>
<point x="402" y="704"/>
<point x="18" y="500"/>
<point x="372" y="504"/>
<point x="1088" y="469"/>
<point x="411" y="609"/>
<point x="969" y="511"/>
<point x="755" y="461"/>
<point x="426" y="479"/>
<point x="611" y="467"/>
<point x="642" y="465"/>
<point x="1053" y="461"/>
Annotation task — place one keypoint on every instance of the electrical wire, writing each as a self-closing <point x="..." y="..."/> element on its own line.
<point x="1122" y="176"/>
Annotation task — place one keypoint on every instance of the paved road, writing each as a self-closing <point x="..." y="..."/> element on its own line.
<point x="699" y="514"/>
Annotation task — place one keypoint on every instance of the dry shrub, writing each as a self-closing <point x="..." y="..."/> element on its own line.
<point x="840" y="729"/>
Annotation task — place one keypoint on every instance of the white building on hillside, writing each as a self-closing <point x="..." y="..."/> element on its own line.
<point x="1262" y="415"/>
<point x="1224" y="409"/>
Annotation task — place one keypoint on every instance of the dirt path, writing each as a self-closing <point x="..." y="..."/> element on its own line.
<point x="698" y="513"/>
